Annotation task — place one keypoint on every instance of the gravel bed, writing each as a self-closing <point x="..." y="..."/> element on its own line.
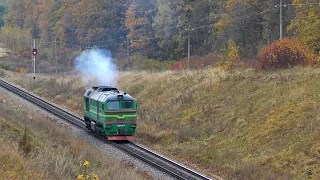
<point x="105" y="147"/>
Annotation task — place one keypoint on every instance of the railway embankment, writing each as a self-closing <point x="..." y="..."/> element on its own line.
<point x="37" y="145"/>
<point x="240" y="124"/>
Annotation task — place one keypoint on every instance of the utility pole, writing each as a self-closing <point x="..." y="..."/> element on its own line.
<point x="280" y="19"/>
<point x="280" y="14"/>
<point x="189" y="15"/>
<point x="189" y="47"/>
<point x="56" y="57"/>
<point x="32" y="53"/>
<point x="189" y="29"/>
<point x="88" y="60"/>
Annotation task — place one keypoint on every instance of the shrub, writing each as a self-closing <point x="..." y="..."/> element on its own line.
<point x="155" y="65"/>
<point x="21" y="70"/>
<point x="141" y="63"/>
<point x="25" y="143"/>
<point x="196" y="62"/>
<point x="4" y="65"/>
<point x="233" y="55"/>
<point x="180" y="65"/>
<point x="46" y="66"/>
<point x="284" y="53"/>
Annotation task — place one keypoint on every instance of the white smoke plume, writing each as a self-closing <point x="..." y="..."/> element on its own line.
<point x="97" y="68"/>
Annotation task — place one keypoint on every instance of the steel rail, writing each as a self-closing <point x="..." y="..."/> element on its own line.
<point x="192" y="172"/>
<point x="177" y="170"/>
<point x="151" y="161"/>
<point x="50" y="107"/>
<point x="155" y="159"/>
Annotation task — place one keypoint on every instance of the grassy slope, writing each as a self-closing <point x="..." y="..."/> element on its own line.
<point x="36" y="147"/>
<point x="241" y="125"/>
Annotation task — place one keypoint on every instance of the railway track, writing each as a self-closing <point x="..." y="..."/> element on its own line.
<point x="140" y="152"/>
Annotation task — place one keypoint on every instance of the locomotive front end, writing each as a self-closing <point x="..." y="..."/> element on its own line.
<point x="120" y="122"/>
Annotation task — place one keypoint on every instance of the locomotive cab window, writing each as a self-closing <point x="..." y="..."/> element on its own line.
<point x="113" y="105"/>
<point x="127" y="105"/>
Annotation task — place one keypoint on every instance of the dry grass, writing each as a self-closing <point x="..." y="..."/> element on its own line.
<point x="34" y="146"/>
<point x="240" y="124"/>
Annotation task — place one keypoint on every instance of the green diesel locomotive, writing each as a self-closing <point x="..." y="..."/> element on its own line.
<point x="110" y="113"/>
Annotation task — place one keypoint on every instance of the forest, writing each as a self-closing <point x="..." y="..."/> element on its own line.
<point x="158" y="29"/>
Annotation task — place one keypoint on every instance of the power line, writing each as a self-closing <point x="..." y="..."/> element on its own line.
<point x="254" y="13"/>
<point x="304" y="4"/>
<point x="254" y="5"/>
<point x="237" y="10"/>
<point x="239" y="18"/>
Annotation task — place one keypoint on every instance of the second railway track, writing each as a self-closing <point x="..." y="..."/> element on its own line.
<point x="155" y="159"/>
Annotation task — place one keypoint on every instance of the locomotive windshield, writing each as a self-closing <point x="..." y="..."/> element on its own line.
<point x="127" y="105"/>
<point x="113" y="105"/>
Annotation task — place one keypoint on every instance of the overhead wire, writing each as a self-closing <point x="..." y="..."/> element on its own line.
<point x="239" y="18"/>
<point x="237" y="10"/>
<point x="254" y="13"/>
<point x="303" y="4"/>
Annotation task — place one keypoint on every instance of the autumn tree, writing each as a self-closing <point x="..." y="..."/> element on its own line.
<point x="306" y="25"/>
<point x="176" y="19"/>
<point x="100" y="23"/>
<point x="16" y="13"/>
<point x="65" y="29"/>
<point x="167" y="24"/>
<point x="139" y="18"/>
<point x="48" y="18"/>
<point x="16" y="35"/>
<point x="31" y="19"/>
